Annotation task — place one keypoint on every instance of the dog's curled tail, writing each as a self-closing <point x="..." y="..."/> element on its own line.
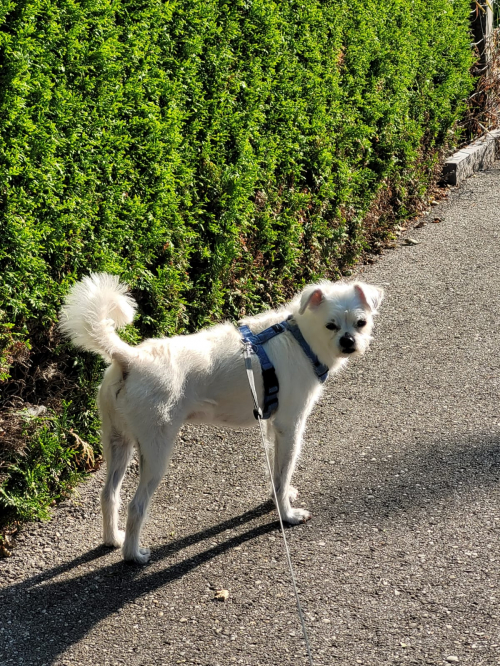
<point x="93" y="309"/>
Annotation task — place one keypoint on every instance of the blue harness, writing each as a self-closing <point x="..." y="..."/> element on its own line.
<point x="271" y="384"/>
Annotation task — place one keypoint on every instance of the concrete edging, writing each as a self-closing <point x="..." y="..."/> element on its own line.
<point x="479" y="155"/>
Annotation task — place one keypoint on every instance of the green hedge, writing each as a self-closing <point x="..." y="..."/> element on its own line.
<point x="212" y="153"/>
<point x="216" y="154"/>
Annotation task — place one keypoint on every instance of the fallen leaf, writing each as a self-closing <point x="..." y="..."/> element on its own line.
<point x="87" y="455"/>
<point x="411" y="241"/>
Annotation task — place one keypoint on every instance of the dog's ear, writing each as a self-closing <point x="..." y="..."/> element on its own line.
<point x="370" y="296"/>
<point x="311" y="298"/>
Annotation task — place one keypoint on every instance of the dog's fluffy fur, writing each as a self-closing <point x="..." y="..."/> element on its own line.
<point x="150" y="390"/>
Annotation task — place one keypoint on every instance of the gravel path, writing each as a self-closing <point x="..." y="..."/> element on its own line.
<point x="401" y="469"/>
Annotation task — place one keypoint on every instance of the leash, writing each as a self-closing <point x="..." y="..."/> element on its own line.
<point x="247" y="353"/>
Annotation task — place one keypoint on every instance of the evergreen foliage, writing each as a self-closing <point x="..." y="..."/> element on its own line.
<point x="195" y="147"/>
<point x="217" y="154"/>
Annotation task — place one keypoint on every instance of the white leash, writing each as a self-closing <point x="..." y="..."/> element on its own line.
<point x="258" y="415"/>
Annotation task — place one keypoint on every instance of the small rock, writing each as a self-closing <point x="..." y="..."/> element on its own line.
<point x="411" y="241"/>
<point x="221" y="595"/>
<point x="421" y="224"/>
<point x="452" y="659"/>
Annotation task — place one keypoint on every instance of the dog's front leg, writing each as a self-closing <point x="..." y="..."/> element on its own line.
<point x="287" y="445"/>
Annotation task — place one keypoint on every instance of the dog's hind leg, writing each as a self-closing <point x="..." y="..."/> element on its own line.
<point x="155" y="451"/>
<point x="287" y="445"/>
<point x="117" y="452"/>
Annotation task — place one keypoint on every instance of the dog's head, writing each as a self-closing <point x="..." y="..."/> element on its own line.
<point x="337" y="318"/>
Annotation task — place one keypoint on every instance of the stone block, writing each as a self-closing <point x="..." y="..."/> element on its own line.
<point x="477" y="156"/>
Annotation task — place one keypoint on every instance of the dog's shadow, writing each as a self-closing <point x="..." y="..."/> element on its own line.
<point x="57" y="612"/>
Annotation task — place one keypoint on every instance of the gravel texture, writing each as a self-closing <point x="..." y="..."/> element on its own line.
<point x="401" y="470"/>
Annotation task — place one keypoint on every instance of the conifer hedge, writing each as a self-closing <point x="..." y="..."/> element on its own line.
<point x="210" y="152"/>
<point x="216" y="154"/>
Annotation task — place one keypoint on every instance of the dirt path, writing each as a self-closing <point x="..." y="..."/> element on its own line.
<point x="401" y="469"/>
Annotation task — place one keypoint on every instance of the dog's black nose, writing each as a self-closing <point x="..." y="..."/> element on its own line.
<point x="346" y="341"/>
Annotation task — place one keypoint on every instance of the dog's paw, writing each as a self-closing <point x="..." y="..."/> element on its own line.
<point x="140" y="557"/>
<point x="116" y="540"/>
<point x="296" y="516"/>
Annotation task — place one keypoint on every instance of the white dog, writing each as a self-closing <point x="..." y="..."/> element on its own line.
<point x="149" y="391"/>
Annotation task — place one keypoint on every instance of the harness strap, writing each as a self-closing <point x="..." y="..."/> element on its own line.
<point x="320" y="369"/>
<point x="247" y="353"/>
<point x="255" y="342"/>
<point x="271" y="384"/>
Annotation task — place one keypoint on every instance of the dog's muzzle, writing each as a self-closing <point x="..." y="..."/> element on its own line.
<point x="347" y="343"/>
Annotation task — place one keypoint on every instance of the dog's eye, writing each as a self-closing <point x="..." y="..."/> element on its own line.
<point x="361" y="323"/>
<point x="332" y="327"/>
